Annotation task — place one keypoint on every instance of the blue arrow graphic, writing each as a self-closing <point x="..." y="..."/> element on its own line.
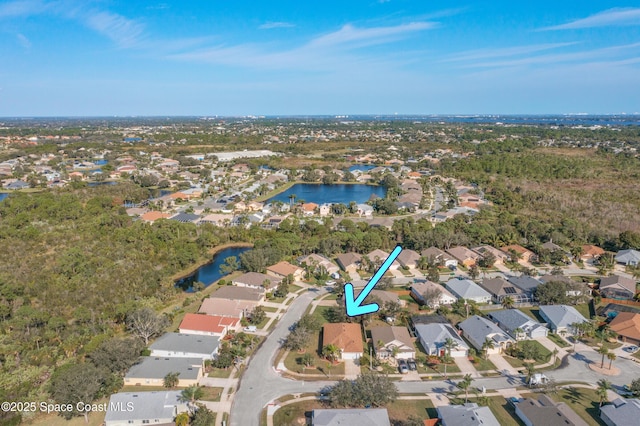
<point x="355" y="307"/>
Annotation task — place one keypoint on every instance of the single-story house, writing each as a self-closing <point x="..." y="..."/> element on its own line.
<point x="392" y="341"/>
<point x="152" y="216"/>
<point x="232" y="292"/>
<point x="467" y="289"/>
<point x="518" y="324"/>
<point x="309" y="209"/>
<point x="346" y="336"/>
<point x="525" y="283"/>
<point x="477" y="329"/>
<point x="497" y="254"/>
<point x="591" y="252"/>
<point x="318" y="261"/>
<point x="464" y="256"/>
<point x="380" y="256"/>
<point x="546" y="412"/>
<point x="208" y="325"/>
<point x="433" y="337"/>
<point x="469" y="414"/>
<point x="349" y="262"/>
<point x="420" y="287"/>
<point x="560" y="317"/>
<point x="621" y="412"/>
<point x="499" y="288"/>
<point x="618" y="287"/>
<point x="523" y="254"/>
<point x="388" y="296"/>
<point x="408" y="258"/>
<point x="144" y="408"/>
<point x="628" y="257"/>
<point x="256" y="280"/>
<point x="227" y="308"/>
<point x="181" y="345"/>
<point x="350" y="417"/>
<point x="627" y="326"/>
<point x="574" y="288"/>
<point x="364" y="210"/>
<point x="435" y="255"/>
<point x="151" y="371"/>
<point x="284" y="269"/>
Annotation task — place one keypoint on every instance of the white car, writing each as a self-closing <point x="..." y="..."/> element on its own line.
<point x="251" y="329"/>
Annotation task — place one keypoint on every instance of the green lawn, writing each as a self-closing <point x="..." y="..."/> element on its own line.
<point x="212" y="394"/>
<point x="482" y="364"/>
<point x="544" y="355"/>
<point x="533" y="312"/>
<point x="583" y="401"/>
<point x="220" y="373"/>
<point x="269" y="309"/>
<point x="558" y="340"/>
<point x="321" y="365"/>
<point x="584" y="310"/>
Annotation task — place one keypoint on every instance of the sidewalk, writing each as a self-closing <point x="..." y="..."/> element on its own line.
<point x="502" y="365"/>
<point x="466" y="367"/>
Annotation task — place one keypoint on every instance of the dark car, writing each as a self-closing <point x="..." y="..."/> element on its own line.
<point x="412" y="364"/>
<point x="402" y="366"/>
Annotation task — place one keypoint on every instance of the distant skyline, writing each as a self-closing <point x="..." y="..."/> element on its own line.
<point x="143" y="58"/>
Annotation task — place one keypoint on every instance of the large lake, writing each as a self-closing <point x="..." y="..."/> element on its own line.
<point x="210" y="272"/>
<point x="320" y="193"/>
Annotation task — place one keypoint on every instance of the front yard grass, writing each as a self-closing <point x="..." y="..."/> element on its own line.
<point x="558" y="340"/>
<point x="583" y="401"/>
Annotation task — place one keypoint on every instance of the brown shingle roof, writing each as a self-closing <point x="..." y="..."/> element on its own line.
<point x="626" y="324"/>
<point x="346" y="336"/>
<point x="283" y="268"/>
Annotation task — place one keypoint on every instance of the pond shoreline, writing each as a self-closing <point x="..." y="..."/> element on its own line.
<point x="212" y="252"/>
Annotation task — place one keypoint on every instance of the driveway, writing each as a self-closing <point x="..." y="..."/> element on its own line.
<point x="502" y="365"/>
<point x="351" y="369"/>
<point x="465" y="366"/>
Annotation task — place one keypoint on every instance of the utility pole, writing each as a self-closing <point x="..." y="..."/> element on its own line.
<point x="370" y="359"/>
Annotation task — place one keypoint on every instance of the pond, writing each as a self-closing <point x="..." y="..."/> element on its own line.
<point x="100" y="162"/>
<point x="3" y="195"/>
<point x="106" y="182"/>
<point x="210" y="272"/>
<point x="320" y="193"/>
<point x="362" y="167"/>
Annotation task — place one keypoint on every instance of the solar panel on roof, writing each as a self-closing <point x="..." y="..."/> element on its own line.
<point x="510" y="290"/>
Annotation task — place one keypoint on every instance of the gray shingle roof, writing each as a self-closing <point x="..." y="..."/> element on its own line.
<point x="622" y="412"/>
<point x="628" y="256"/>
<point x="466" y="415"/>
<point x="561" y="316"/>
<point x="143" y="406"/>
<point x="238" y="293"/>
<point x="479" y="328"/>
<point x="512" y="319"/>
<point x="351" y="417"/>
<point x="434" y="336"/>
<point x="190" y="343"/>
<point x="159" y="367"/>
<point x="524" y="282"/>
<point x="466" y="289"/>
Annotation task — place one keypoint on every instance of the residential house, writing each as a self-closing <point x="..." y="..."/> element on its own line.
<point x="283" y="269"/>
<point x="468" y="290"/>
<point x="325" y="209"/>
<point x="152" y="216"/>
<point x="591" y="252"/>
<point x="364" y="210"/>
<point x="408" y="258"/>
<point x="346" y="336"/>
<point x="433" y="338"/>
<point x="227" y="308"/>
<point x="518" y="324"/>
<point x="388" y="297"/>
<point x="349" y="262"/>
<point x="525" y="283"/>
<point x="437" y="256"/>
<point x="574" y="288"/>
<point x="628" y="257"/>
<point x="627" y="326"/>
<point x="497" y="254"/>
<point x="546" y="412"/>
<point x="239" y="293"/>
<point x="316" y="261"/>
<point x="379" y="256"/>
<point x="621" y="412"/>
<point x="522" y="253"/>
<point x="350" y="417"/>
<point x="309" y="209"/>
<point x="420" y="287"/>
<point x="256" y="280"/>
<point x="469" y="414"/>
<point x="617" y="287"/>
<point x="217" y="219"/>
<point x="499" y="288"/>
<point x="186" y="218"/>
<point x="551" y="246"/>
<point x="208" y="325"/>
<point x="560" y="317"/>
<point x="464" y="256"/>
<point x="144" y="408"/>
<point x="180" y="345"/>
<point x="391" y="341"/>
<point x="151" y="371"/>
<point x="477" y="329"/>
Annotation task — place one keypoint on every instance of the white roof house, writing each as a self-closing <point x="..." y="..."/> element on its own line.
<point x="467" y="289"/>
<point x="560" y="317"/>
<point x="143" y="408"/>
<point x="628" y="257"/>
<point x="433" y="337"/>
<point x="478" y="329"/>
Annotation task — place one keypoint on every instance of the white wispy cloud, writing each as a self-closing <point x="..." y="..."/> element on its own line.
<point x="480" y="54"/>
<point x="324" y="52"/>
<point x="23" y="8"/>
<point x="123" y="31"/>
<point x="611" y="17"/>
<point x="273" y="25"/>
<point x="23" y="41"/>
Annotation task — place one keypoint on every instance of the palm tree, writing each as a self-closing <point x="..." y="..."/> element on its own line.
<point x="449" y="344"/>
<point x="190" y="395"/>
<point x="603" y="386"/>
<point x="508" y="302"/>
<point x="464" y="385"/>
<point x="171" y="380"/>
<point x="555" y="355"/>
<point x="611" y="357"/>
<point x="530" y="370"/>
<point x="331" y="352"/>
<point x="486" y="346"/>
<point x="602" y="350"/>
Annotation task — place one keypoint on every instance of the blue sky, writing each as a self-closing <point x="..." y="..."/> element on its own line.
<point x="108" y="57"/>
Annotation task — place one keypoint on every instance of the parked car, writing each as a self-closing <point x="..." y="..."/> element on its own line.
<point x="412" y="364"/>
<point x="402" y="366"/>
<point x="630" y="349"/>
<point x="251" y="329"/>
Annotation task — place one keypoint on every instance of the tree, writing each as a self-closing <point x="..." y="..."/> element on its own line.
<point x="530" y="370"/>
<point x="611" y="357"/>
<point x="431" y="296"/>
<point x="230" y="265"/>
<point x="307" y="360"/>
<point x="474" y="272"/>
<point x="602" y="350"/>
<point x="464" y="384"/>
<point x="283" y="288"/>
<point x="331" y="352"/>
<point x="487" y="345"/>
<point x="145" y="323"/>
<point x="257" y="315"/>
<point x="203" y="417"/>
<point x="602" y="390"/>
<point x="76" y="383"/>
<point x="635" y="387"/>
<point x="117" y="355"/>
<point x="309" y="322"/>
<point x="182" y="419"/>
<point x="190" y="395"/>
<point x="552" y="293"/>
<point x="433" y="274"/>
<point x="171" y="380"/>
<point x="449" y="344"/>
<point x="370" y="389"/>
<point x="507" y="302"/>
<point x="297" y="340"/>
